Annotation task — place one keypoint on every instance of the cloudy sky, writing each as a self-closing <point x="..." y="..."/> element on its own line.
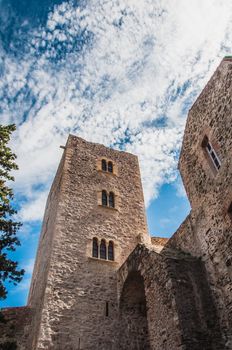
<point x="119" y="72"/>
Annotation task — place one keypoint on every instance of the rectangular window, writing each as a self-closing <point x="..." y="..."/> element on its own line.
<point x="212" y="153"/>
<point x="230" y="211"/>
<point x="107" y="309"/>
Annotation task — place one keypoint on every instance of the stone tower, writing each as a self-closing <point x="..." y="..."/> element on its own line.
<point x="206" y="169"/>
<point x="94" y="218"/>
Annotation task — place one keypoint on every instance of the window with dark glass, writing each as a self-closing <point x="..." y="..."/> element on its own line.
<point x="111" y="200"/>
<point x="95" y="248"/>
<point x="110" y="167"/>
<point x="111" y="251"/>
<point x="103" y="249"/>
<point x="212" y="153"/>
<point x="104" y="165"/>
<point x="104" y="198"/>
<point x="107" y="309"/>
<point x="230" y="210"/>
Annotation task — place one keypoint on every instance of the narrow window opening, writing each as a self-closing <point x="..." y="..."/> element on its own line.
<point x="104" y="165"/>
<point x="107" y="309"/>
<point x="111" y="251"/>
<point x="95" y="248"/>
<point x="110" y="167"/>
<point x="212" y="153"/>
<point x="103" y="249"/>
<point x="111" y="200"/>
<point x="104" y="198"/>
<point x="230" y="211"/>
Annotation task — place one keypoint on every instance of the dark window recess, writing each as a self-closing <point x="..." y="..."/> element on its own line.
<point x="95" y="248"/>
<point x="104" y="165"/>
<point x="110" y="167"/>
<point x="104" y="198"/>
<point x="212" y="153"/>
<point x="230" y="210"/>
<point x="111" y="251"/>
<point x="111" y="200"/>
<point x="103" y="249"/>
<point x="107" y="309"/>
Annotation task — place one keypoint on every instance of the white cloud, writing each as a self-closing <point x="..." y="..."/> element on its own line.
<point x="33" y="210"/>
<point x="180" y="190"/>
<point x="140" y="64"/>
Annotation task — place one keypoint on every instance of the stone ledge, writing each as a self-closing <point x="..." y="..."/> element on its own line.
<point x="103" y="260"/>
<point x="106" y="207"/>
<point x="107" y="172"/>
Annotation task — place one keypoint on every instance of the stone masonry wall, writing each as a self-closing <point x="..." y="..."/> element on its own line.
<point x="180" y="310"/>
<point x="207" y="231"/>
<point x="80" y="287"/>
<point x="42" y="263"/>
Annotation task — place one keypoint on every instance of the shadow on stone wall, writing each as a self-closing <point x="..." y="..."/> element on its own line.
<point x="195" y="306"/>
<point x="180" y="310"/>
<point x="133" y="314"/>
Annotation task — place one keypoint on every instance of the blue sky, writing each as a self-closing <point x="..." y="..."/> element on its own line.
<point x="121" y="73"/>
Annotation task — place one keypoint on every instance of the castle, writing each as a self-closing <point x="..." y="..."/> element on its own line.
<point x="101" y="282"/>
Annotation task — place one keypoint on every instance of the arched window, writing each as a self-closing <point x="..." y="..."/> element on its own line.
<point x="103" y="249"/>
<point x="111" y="200"/>
<point x="104" y="198"/>
<point x="104" y="165"/>
<point x="110" y="167"/>
<point x="111" y="251"/>
<point x="95" y="248"/>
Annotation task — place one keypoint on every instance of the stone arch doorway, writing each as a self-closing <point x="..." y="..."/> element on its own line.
<point x="133" y="314"/>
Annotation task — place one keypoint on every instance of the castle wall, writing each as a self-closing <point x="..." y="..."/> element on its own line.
<point x="180" y="310"/>
<point x="207" y="234"/>
<point x="161" y="314"/>
<point x="78" y="287"/>
<point x="207" y="231"/>
<point x="209" y="116"/>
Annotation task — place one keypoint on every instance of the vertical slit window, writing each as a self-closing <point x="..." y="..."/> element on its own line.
<point x="95" y="248"/>
<point x="110" y="167"/>
<point x="107" y="309"/>
<point x="111" y="200"/>
<point x="230" y="211"/>
<point x="104" y="165"/>
<point x="103" y="249"/>
<point x="104" y="198"/>
<point x="111" y="251"/>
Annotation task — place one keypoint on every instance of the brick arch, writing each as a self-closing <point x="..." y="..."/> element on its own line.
<point x="133" y="313"/>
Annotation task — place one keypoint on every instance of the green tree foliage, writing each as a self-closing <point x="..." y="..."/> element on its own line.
<point x="8" y="228"/>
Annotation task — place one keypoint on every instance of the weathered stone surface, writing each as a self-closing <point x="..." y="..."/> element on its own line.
<point x="15" y="325"/>
<point x="180" y="310"/>
<point x="77" y="286"/>
<point x="157" y="294"/>
<point x="207" y="231"/>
